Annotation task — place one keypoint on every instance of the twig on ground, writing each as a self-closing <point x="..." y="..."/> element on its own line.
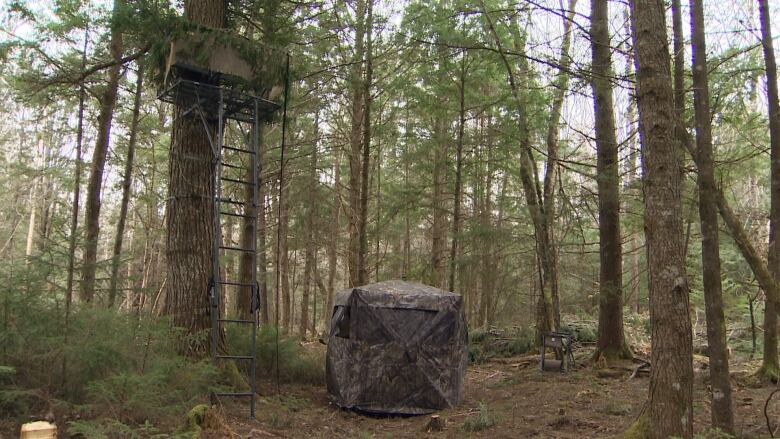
<point x="766" y="413"/>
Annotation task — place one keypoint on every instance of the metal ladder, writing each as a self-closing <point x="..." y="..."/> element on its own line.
<point x="227" y="207"/>
<point x="216" y="102"/>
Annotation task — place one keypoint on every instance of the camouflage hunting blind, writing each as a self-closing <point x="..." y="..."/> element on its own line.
<point x="396" y="348"/>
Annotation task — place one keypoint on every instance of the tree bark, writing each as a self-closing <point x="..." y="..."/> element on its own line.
<point x="439" y="162"/>
<point x="190" y="208"/>
<point x="262" y="255"/>
<point x="283" y="256"/>
<point x="721" y="409"/>
<point x="611" y="340"/>
<point x="769" y="364"/>
<point x="94" y="186"/>
<point x="248" y="223"/>
<point x="366" y="152"/>
<point x="311" y="248"/>
<point x="126" y="183"/>
<point x="671" y="378"/>
<point x="458" y="173"/>
<point x="334" y="241"/>
<point x="356" y="144"/>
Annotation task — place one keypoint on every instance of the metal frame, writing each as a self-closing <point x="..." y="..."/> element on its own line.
<point x="220" y="104"/>
<point x="561" y="343"/>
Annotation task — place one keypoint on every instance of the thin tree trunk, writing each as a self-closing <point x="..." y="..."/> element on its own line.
<point x="769" y="365"/>
<point x="356" y="143"/>
<point x="671" y="378"/>
<point x="28" y="249"/>
<point x="94" y="186"/>
<point x="545" y="320"/>
<point x="284" y="257"/>
<point x="309" y="261"/>
<point x="126" y="183"/>
<point x="551" y="170"/>
<point x="611" y="341"/>
<point x="74" y="216"/>
<point x="458" y="173"/>
<point x="190" y="209"/>
<point x="334" y="241"/>
<point x="721" y="410"/>
<point x="439" y="211"/>
<point x="366" y="154"/>
<point x="262" y="258"/>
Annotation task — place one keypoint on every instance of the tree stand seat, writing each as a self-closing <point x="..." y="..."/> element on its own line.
<point x="561" y="345"/>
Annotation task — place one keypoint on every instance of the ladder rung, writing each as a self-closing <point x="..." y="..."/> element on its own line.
<point x="228" y="165"/>
<point x="241" y="215"/>
<point x="231" y="201"/>
<point x="233" y="394"/>
<point x="238" y="284"/>
<point x="248" y="151"/>
<point x="236" y="320"/>
<point x="227" y="247"/>
<point x="235" y="357"/>
<point x="235" y="180"/>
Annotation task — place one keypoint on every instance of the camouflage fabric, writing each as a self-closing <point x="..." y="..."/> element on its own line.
<point x="396" y="347"/>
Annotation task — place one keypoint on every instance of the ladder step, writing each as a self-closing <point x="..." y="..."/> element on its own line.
<point x="235" y="357"/>
<point x="230" y="148"/>
<point x="233" y="394"/>
<point x="235" y="180"/>
<point x="236" y="321"/>
<point x="227" y="247"/>
<point x="231" y="201"/>
<point x="238" y="284"/>
<point x="228" y="165"/>
<point x="241" y="215"/>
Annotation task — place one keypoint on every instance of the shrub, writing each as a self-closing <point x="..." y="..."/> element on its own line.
<point x="296" y="363"/>
<point x="484" y="345"/>
<point x="123" y="376"/>
<point x="482" y="421"/>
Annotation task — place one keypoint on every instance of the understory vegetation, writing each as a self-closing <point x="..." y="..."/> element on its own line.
<point x="110" y="374"/>
<point x="117" y="375"/>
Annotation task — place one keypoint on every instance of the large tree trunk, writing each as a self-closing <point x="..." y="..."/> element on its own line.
<point x="126" y="183"/>
<point x="769" y="366"/>
<point x="671" y="378"/>
<point x="105" y="119"/>
<point x="190" y="209"/>
<point x="248" y="223"/>
<point x="721" y="409"/>
<point x="611" y="341"/>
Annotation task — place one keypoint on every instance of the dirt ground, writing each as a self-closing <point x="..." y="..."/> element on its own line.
<point x="521" y="401"/>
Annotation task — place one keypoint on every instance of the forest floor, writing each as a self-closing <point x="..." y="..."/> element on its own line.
<point x="517" y="401"/>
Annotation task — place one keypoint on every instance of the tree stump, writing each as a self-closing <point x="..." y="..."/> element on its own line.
<point x="436" y="423"/>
